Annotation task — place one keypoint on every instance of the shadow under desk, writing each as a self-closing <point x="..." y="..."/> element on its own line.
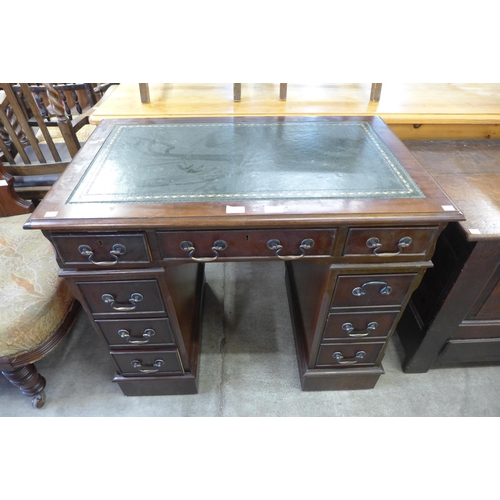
<point x="454" y="315"/>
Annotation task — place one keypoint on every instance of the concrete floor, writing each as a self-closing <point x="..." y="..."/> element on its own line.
<point x="248" y="368"/>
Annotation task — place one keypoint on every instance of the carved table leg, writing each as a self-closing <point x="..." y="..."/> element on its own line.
<point x="30" y="382"/>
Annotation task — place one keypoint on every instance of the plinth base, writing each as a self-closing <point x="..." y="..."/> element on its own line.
<point x="158" y="386"/>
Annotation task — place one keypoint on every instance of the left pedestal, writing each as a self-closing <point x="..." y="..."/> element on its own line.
<point x="151" y="320"/>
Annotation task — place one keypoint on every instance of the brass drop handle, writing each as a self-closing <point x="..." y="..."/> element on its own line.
<point x="351" y="361"/>
<point x="135" y="298"/>
<point x="385" y="289"/>
<point x="115" y="252"/>
<point x="376" y="245"/>
<point x="148" y="333"/>
<point x="218" y="246"/>
<point x="277" y="247"/>
<point x="147" y="369"/>
<point x="352" y="333"/>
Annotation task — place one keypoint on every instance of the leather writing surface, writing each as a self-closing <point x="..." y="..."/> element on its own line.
<point x="238" y="161"/>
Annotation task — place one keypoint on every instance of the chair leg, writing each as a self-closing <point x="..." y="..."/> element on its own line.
<point x="30" y="382"/>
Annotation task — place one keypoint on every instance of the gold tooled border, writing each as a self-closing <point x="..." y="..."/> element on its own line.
<point x="87" y="181"/>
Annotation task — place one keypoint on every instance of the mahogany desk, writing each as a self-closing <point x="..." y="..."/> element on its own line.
<point x="340" y="200"/>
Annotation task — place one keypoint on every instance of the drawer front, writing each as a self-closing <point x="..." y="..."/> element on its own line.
<point x="148" y="362"/>
<point x="254" y="243"/>
<point x="101" y="250"/>
<point x="371" y="290"/>
<point x="348" y="355"/>
<point x="136" y="332"/>
<point x="395" y="243"/>
<point x="359" y="325"/>
<point x="122" y="297"/>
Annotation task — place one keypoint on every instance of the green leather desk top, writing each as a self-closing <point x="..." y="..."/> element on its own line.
<point x="179" y="162"/>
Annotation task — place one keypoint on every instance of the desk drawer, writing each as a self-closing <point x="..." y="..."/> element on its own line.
<point x="371" y="290"/>
<point x="348" y="355"/>
<point x="136" y="332"/>
<point x="101" y="250"/>
<point x="389" y="242"/>
<point x="122" y="297"/>
<point x="358" y="325"/>
<point x="148" y="362"/>
<point x="253" y="243"/>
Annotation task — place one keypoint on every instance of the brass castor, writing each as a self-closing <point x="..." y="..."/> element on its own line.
<point x="38" y="400"/>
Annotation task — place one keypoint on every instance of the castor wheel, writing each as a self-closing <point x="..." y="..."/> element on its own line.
<point x="39" y="400"/>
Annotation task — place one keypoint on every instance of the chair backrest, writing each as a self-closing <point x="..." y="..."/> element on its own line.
<point x="76" y="98"/>
<point x="34" y="165"/>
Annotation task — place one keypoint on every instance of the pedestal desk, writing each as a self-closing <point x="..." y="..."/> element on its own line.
<point x="146" y="203"/>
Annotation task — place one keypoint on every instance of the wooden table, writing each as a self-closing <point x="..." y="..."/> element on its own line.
<point x="146" y="203"/>
<point x="454" y="316"/>
<point x="412" y="110"/>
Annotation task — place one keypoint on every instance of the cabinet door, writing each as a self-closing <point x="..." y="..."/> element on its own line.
<point x="487" y="305"/>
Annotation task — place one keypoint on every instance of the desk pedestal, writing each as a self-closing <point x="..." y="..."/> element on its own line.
<point x="340" y="336"/>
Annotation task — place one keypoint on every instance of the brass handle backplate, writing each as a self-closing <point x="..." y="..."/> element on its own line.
<point x="385" y="289"/>
<point x="217" y="247"/>
<point x="147" y="369"/>
<point x="135" y="298"/>
<point x="375" y="244"/>
<point x="277" y="247"/>
<point x="352" y="333"/>
<point x="115" y="252"/>
<point x="351" y="361"/>
<point x="146" y="336"/>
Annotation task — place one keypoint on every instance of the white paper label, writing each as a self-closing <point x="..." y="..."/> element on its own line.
<point x="50" y="214"/>
<point x="235" y="210"/>
<point x="448" y="208"/>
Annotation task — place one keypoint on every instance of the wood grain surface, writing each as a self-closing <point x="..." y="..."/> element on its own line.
<point x="412" y="110"/>
<point x="469" y="172"/>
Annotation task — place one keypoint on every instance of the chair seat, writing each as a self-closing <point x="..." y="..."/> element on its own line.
<point x="33" y="299"/>
<point x="61" y="149"/>
<point x="83" y="134"/>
